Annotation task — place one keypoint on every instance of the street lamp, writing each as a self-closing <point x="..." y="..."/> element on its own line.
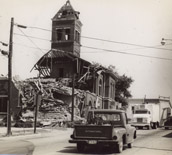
<point x="163" y="41"/>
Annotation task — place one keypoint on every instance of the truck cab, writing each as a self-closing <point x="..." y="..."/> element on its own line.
<point x="104" y="127"/>
<point x="142" y="118"/>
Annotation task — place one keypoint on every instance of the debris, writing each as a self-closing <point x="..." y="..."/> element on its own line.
<point x="54" y="108"/>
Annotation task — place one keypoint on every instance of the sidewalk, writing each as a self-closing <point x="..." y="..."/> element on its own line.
<point x="26" y="131"/>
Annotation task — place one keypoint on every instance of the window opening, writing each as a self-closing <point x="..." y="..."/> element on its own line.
<point x="100" y="87"/>
<point x="64" y="13"/>
<point x="77" y="36"/>
<point x="67" y="34"/>
<point x="111" y="90"/>
<point x="59" y="34"/>
<point x="3" y="104"/>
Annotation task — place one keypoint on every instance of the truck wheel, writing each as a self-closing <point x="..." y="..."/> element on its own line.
<point x="120" y="147"/>
<point x="80" y="147"/>
<point x="166" y="128"/>
<point x="135" y="135"/>
<point x="149" y="127"/>
<point x="155" y="125"/>
<point x="130" y="145"/>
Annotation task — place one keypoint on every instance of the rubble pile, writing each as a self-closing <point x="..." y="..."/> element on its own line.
<point x="51" y="108"/>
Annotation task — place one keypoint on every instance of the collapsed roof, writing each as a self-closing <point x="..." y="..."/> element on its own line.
<point x="44" y="64"/>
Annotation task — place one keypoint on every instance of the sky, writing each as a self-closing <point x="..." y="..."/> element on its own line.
<point x="129" y="26"/>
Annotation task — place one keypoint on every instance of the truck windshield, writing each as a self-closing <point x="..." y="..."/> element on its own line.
<point x="104" y="118"/>
<point x="141" y="112"/>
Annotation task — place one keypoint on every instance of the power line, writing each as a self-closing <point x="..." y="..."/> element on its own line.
<point x="107" y="50"/>
<point x="105" y="40"/>
<point x="154" y="47"/>
<point x="39" y="28"/>
<point x="51" y="41"/>
<point x="143" y="47"/>
<point x="30" y="46"/>
<point x="31" y="41"/>
<point x="32" y="37"/>
<point x="126" y="53"/>
<point x="100" y="39"/>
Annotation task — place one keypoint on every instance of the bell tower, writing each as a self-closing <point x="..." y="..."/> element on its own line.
<point x="66" y="30"/>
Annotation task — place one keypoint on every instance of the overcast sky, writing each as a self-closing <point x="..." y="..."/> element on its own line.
<point x="142" y="23"/>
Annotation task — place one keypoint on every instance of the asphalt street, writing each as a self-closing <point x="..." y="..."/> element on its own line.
<point x="148" y="142"/>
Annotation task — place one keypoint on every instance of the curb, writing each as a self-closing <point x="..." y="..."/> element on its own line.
<point x="25" y="132"/>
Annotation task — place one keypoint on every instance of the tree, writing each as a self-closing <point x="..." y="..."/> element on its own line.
<point x="122" y="86"/>
<point x="122" y="82"/>
<point x="122" y="93"/>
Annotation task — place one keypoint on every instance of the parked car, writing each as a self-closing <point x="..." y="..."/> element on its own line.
<point x="168" y="123"/>
<point x="104" y="127"/>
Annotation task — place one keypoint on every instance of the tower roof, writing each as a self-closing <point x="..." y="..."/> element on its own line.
<point x="67" y="11"/>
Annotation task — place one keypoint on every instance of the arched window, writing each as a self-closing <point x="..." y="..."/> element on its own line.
<point x="100" y="87"/>
<point x="90" y="105"/>
<point x="112" y="89"/>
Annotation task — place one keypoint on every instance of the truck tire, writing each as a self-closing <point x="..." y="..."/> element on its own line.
<point x="149" y="127"/>
<point x="166" y="128"/>
<point x="154" y="125"/>
<point x="130" y="145"/>
<point x="80" y="147"/>
<point x="135" y="135"/>
<point x="119" y="147"/>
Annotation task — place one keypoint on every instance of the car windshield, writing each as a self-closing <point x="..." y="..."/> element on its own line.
<point x="104" y="118"/>
<point x="141" y="112"/>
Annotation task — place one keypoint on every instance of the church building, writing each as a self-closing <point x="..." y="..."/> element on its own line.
<point x="63" y="61"/>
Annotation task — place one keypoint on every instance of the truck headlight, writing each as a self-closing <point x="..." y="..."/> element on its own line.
<point x="134" y="119"/>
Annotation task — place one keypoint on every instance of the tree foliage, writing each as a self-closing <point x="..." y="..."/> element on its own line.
<point x="122" y="87"/>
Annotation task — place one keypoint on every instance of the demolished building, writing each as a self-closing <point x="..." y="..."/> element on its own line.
<point x="62" y="69"/>
<point x="63" y="61"/>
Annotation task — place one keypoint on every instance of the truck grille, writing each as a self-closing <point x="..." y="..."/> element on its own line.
<point x="96" y="132"/>
<point x="139" y="120"/>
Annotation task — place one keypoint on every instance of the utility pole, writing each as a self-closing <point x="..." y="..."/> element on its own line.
<point x="37" y="103"/>
<point x="73" y="89"/>
<point x="10" y="78"/>
<point x="75" y="71"/>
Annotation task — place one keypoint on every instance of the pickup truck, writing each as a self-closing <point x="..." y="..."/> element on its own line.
<point x="104" y="127"/>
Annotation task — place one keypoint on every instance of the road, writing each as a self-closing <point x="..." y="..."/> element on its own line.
<point x="148" y="142"/>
